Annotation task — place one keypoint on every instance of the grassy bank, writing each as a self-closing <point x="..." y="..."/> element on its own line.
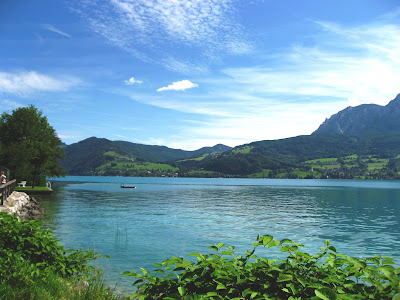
<point x="33" y="265"/>
<point x="29" y="188"/>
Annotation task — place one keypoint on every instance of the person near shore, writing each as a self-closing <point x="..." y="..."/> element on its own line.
<point x="3" y="177"/>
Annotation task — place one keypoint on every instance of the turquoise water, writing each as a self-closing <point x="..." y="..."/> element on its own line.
<point x="165" y="217"/>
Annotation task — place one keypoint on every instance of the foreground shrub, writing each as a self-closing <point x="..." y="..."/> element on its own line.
<point x="226" y="275"/>
<point x="33" y="265"/>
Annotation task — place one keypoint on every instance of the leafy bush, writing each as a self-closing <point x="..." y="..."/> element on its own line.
<point x="226" y="275"/>
<point x="29" y="254"/>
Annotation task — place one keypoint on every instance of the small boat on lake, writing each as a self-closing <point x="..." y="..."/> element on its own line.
<point x="123" y="186"/>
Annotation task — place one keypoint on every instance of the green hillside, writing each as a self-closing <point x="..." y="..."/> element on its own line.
<point x="95" y="156"/>
<point x="314" y="156"/>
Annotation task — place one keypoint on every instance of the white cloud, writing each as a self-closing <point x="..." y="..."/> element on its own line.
<point x="132" y="80"/>
<point x="149" y="29"/>
<point x="178" y="86"/>
<point x="56" y="30"/>
<point x="24" y="83"/>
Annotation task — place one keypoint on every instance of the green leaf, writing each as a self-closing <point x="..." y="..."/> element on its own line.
<point x="284" y="277"/>
<point x="253" y="295"/>
<point x="273" y="243"/>
<point x="220" y="286"/>
<point x="286" y="241"/>
<point x="145" y="272"/>
<point x="181" y="290"/>
<point x="213" y="248"/>
<point x="266" y="239"/>
<point x="326" y="294"/>
<point x="220" y="245"/>
<point x="332" y="248"/>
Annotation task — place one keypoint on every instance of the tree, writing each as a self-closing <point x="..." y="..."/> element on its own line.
<point x="29" y="146"/>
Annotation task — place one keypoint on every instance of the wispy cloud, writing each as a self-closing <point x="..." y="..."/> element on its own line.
<point x="295" y="91"/>
<point x="132" y="80"/>
<point x="178" y="86"/>
<point x="124" y="137"/>
<point x="360" y="66"/>
<point x="56" y="30"/>
<point x="202" y="27"/>
<point x="7" y="105"/>
<point x="69" y="136"/>
<point x="24" y="83"/>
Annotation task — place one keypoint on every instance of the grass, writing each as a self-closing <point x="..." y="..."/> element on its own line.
<point x="197" y="158"/>
<point x="112" y="153"/>
<point x="350" y="166"/>
<point x="29" y="188"/>
<point x="350" y="158"/>
<point x="376" y="166"/>
<point x="54" y="287"/>
<point x="331" y="166"/>
<point x="321" y="160"/>
<point x="243" y="150"/>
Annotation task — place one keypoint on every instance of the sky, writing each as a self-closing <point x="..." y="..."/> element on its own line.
<point x="193" y="73"/>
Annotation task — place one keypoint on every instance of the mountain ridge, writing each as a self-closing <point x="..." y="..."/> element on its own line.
<point x="370" y="118"/>
<point x="89" y="153"/>
<point x="370" y="132"/>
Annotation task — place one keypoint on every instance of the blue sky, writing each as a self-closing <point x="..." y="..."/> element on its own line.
<point x="193" y="73"/>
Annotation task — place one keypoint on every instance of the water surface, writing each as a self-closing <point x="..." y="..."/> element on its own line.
<point x="165" y="217"/>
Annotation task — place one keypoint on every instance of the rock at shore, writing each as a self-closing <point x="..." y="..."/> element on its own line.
<point x="22" y="205"/>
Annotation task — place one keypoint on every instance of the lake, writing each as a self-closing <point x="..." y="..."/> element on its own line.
<point x="165" y="217"/>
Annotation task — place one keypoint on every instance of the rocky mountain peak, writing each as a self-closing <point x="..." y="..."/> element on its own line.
<point x="364" y="118"/>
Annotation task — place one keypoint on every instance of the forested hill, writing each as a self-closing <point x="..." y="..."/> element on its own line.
<point x="164" y="154"/>
<point x="368" y="119"/>
<point x="84" y="157"/>
<point x="362" y="141"/>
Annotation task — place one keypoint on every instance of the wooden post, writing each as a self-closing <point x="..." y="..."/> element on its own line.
<point x="6" y="189"/>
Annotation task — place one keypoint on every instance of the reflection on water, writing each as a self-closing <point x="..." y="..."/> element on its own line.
<point x="166" y="217"/>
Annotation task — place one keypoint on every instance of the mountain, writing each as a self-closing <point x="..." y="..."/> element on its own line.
<point x="84" y="157"/>
<point x="369" y="119"/>
<point x="365" y="130"/>
<point x="165" y="154"/>
<point x="360" y="139"/>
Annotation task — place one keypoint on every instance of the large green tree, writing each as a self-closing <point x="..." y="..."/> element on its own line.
<point x="29" y="146"/>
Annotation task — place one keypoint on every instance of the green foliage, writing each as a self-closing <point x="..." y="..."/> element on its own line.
<point x="227" y="275"/>
<point x="242" y="149"/>
<point x="239" y="164"/>
<point x="29" y="145"/>
<point x="50" y="287"/>
<point x="285" y="158"/>
<point x="265" y="173"/>
<point x="29" y="253"/>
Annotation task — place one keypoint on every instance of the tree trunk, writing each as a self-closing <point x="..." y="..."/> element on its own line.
<point x="34" y="178"/>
